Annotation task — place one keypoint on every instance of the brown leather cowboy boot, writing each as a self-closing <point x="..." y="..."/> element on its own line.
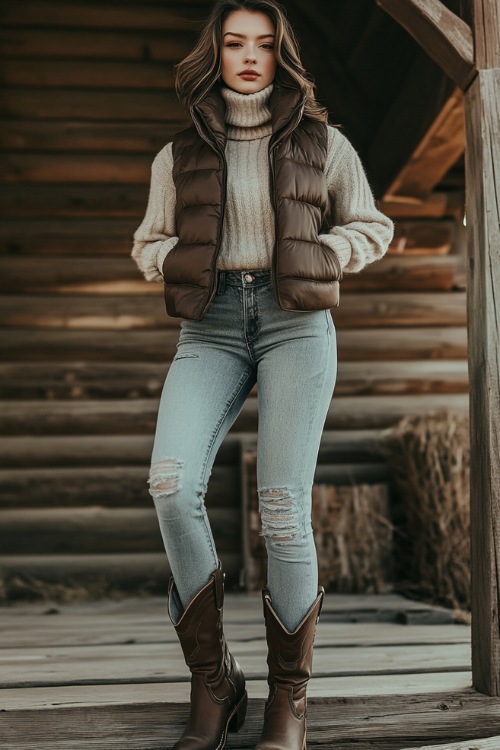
<point x="218" y="694"/>
<point x="289" y="660"/>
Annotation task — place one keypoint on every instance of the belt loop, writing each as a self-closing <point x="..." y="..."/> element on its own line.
<point x="221" y="286"/>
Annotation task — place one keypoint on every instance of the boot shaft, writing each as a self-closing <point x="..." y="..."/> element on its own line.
<point x="200" y="626"/>
<point x="290" y="654"/>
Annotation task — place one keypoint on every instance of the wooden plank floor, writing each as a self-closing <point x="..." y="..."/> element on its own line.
<point x="390" y="674"/>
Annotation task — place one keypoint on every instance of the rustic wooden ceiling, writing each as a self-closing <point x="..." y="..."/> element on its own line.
<point x="403" y="114"/>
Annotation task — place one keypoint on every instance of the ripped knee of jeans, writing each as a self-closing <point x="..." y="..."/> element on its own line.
<point x="278" y="514"/>
<point x="165" y="477"/>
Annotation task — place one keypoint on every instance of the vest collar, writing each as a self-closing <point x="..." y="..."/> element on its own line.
<point x="286" y="105"/>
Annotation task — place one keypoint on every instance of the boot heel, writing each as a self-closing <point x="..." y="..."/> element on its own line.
<point x="237" y="719"/>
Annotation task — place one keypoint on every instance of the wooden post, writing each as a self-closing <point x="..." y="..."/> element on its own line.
<point x="482" y="113"/>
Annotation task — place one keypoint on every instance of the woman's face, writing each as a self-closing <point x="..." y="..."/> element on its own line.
<point x="247" y="44"/>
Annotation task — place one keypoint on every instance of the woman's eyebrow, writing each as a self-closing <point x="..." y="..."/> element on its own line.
<point x="244" y="36"/>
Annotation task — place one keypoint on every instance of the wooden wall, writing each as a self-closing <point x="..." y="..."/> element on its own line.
<point x="87" y="102"/>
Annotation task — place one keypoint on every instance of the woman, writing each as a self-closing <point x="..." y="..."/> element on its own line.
<point x="254" y="214"/>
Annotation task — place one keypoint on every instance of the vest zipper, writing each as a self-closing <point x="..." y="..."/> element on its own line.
<point x="274" y="259"/>
<point x="215" y="274"/>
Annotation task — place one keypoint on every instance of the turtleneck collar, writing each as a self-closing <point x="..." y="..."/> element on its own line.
<point x="247" y="115"/>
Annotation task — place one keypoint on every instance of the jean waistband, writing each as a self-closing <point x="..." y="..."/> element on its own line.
<point x="243" y="278"/>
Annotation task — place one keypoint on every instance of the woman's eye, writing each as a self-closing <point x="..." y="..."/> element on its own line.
<point x="232" y="44"/>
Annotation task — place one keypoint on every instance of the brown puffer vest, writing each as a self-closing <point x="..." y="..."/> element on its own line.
<point x="305" y="273"/>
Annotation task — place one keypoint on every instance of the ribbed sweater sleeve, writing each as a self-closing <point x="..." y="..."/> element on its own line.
<point x="361" y="233"/>
<point x="156" y="235"/>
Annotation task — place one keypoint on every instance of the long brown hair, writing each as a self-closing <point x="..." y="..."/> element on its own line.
<point x="201" y="69"/>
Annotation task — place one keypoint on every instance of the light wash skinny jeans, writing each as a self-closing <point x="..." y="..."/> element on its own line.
<point x="243" y="339"/>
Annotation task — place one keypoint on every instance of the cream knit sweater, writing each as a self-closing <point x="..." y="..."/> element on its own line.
<point x="361" y="233"/>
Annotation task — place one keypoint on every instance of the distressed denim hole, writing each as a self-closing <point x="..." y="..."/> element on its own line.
<point x="279" y="518"/>
<point x="164" y="477"/>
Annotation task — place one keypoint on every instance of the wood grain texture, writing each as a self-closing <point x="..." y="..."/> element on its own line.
<point x="437" y="152"/>
<point x="438" y="204"/>
<point x="119" y="313"/>
<point x="138" y="416"/>
<point x="111" y="275"/>
<point x="80" y="380"/>
<point x="75" y="168"/>
<point x="146" y="662"/>
<point x="486" y="14"/>
<point x="372" y="345"/>
<point x="446" y="38"/>
<point x="98" y="530"/>
<point x="73" y="200"/>
<point x="84" y="74"/>
<point x="173" y="17"/>
<point x="118" y="450"/>
<point x="483" y="224"/>
<point x="488" y="743"/>
<point x="85" y="236"/>
<point x="167" y="46"/>
<point x="89" y="136"/>
<point x="59" y="104"/>
<point x="96" y="574"/>
<point x="108" y="487"/>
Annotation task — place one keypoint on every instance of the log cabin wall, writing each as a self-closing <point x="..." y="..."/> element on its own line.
<point x="87" y="102"/>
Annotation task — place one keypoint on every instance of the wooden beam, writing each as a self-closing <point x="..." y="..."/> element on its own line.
<point x="436" y="153"/>
<point x="483" y="304"/>
<point x="486" y="33"/>
<point x="425" y="93"/>
<point x="118" y="312"/>
<point x="364" y="345"/>
<point x="394" y="272"/>
<point x="437" y="205"/>
<point x="445" y="37"/>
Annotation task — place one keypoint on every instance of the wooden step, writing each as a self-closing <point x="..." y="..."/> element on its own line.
<point x="111" y="275"/>
<point x="138" y="416"/>
<point x="487" y="743"/>
<point x="439" y="708"/>
<point x="423" y="237"/>
<point x="438" y="204"/>
<point x="367" y="310"/>
<point x="74" y="136"/>
<point x="170" y="16"/>
<point x="75" y="380"/>
<point x="119" y="486"/>
<point x="159" y="45"/>
<point x="98" y="529"/>
<point x="135" y="450"/>
<point x="372" y="345"/>
<point x="112" y="663"/>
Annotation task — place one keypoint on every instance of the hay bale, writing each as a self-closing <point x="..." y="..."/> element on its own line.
<point x="352" y="532"/>
<point x="353" y="535"/>
<point x="430" y="459"/>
